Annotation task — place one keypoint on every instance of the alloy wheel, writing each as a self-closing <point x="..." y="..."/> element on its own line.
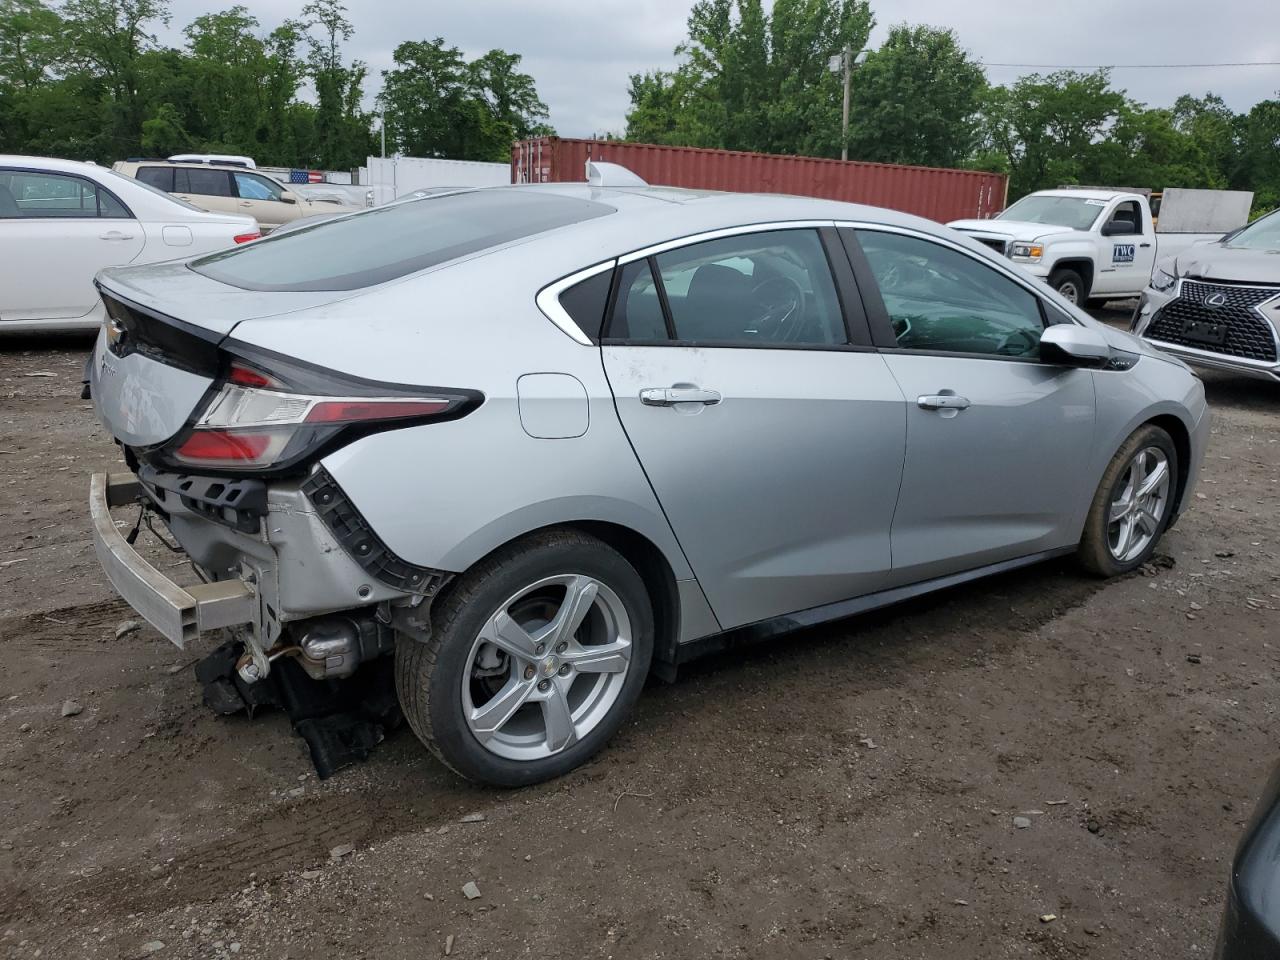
<point x="547" y="667"/>
<point x="1070" y="291"/>
<point x="1139" y="508"/>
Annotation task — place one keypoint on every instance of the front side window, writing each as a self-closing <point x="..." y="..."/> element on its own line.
<point x="771" y="288"/>
<point x="253" y="187"/>
<point x="939" y="299"/>
<point x="30" y="195"/>
<point x="1128" y="213"/>
<point x="204" y="183"/>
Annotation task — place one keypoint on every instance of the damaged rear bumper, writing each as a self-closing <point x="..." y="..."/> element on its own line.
<point x="180" y="614"/>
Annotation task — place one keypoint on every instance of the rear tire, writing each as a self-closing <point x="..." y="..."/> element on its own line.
<point x="1070" y="285"/>
<point x="508" y="691"/>
<point x="1133" y="505"/>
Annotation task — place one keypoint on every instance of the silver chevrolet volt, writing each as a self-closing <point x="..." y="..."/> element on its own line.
<point x="538" y="442"/>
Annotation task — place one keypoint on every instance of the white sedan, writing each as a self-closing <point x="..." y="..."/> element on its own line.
<point x="61" y="221"/>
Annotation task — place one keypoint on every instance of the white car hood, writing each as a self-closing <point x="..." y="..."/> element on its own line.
<point x="1010" y="229"/>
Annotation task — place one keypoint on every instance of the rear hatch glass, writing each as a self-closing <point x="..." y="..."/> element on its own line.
<point x="393" y="241"/>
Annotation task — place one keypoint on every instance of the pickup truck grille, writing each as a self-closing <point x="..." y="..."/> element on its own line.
<point x="999" y="246"/>
<point x="1248" y="334"/>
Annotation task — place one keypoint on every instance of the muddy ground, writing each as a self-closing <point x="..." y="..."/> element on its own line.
<point x="850" y="792"/>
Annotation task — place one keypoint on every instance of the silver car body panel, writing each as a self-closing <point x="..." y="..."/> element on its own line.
<point x="141" y="401"/>
<point x="970" y="493"/>
<point x="780" y="498"/>
<point x="782" y="493"/>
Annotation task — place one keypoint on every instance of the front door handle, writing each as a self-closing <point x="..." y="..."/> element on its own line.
<point x="1144" y="246"/>
<point x="667" y="396"/>
<point x="942" y="402"/>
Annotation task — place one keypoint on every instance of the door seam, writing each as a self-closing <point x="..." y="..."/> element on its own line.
<point x="613" y="399"/>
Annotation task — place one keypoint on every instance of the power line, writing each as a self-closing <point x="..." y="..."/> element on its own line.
<point x="1133" y="66"/>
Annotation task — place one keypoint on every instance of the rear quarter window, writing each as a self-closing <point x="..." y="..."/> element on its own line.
<point x="389" y="242"/>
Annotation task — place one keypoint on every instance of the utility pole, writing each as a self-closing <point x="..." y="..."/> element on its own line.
<point x="846" y="61"/>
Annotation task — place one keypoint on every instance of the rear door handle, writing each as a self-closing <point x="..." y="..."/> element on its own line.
<point x="115" y="235"/>
<point x="667" y="396"/>
<point x="942" y="402"/>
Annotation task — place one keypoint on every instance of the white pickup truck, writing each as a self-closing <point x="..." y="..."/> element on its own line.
<point x="1098" y="245"/>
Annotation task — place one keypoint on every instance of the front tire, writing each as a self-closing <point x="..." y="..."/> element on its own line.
<point x="1069" y="284"/>
<point x="1133" y="505"/>
<point x="536" y="656"/>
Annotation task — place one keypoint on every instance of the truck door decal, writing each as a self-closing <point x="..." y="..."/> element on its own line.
<point x="1122" y="253"/>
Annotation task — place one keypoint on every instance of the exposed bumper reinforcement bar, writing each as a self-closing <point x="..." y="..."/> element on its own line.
<point x="181" y="614"/>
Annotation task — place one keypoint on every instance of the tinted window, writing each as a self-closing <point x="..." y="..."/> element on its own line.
<point x="109" y="206"/>
<point x="389" y="242"/>
<point x="1130" y="211"/>
<point x="586" y="302"/>
<point x="31" y="195"/>
<point x="767" y="288"/>
<point x="637" y="313"/>
<point x="941" y="299"/>
<point x="206" y="183"/>
<point x="253" y="187"/>
<point x="159" y="177"/>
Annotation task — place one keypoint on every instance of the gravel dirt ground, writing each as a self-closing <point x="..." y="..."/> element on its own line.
<point x="848" y="792"/>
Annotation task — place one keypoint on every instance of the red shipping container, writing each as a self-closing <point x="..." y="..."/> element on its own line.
<point x="934" y="192"/>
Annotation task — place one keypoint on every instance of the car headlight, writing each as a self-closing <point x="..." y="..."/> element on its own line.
<point x="1027" y="251"/>
<point x="1162" y="281"/>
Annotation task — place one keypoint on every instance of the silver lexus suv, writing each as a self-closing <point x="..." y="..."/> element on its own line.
<point x="539" y="442"/>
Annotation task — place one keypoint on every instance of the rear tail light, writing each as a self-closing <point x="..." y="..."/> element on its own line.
<point x="246" y="237"/>
<point x="261" y="420"/>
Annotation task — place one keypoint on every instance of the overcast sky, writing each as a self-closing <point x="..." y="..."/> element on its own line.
<point x="580" y="52"/>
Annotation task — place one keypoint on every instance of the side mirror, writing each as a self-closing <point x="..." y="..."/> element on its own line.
<point x="1072" y="345"/>
<point x="288" y="197"/>
<point x="1118" y="228"/>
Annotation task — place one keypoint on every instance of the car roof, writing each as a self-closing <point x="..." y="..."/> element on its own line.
<point x="191" y="165"/>
<point x="47" y="163"/>
<point x="1087" y="194"/>
<point x="646" y="216"/>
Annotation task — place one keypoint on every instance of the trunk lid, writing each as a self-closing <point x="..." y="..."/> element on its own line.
<point x="157" y="355"/>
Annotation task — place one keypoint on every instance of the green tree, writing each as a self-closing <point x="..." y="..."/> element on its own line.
<point x="229" y="66"/>
<point x="1145" y="148"/>
<point x="916" y="100"/>
<point x="1210" y="124"/>
<point x="439" y="105"/>
<point x="344" y="137"/>
<point x="107" y="40"/>
<point x="1043" y="128"/>
<point x="751" y="80"/>
<point x="1257" y="165"/>
<point x="511" y="95"/>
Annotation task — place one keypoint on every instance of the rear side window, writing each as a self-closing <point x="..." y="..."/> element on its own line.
<point x="637" y="314"/>
<point x="159" y="177"/>
<point x="36" y="195"/>
<point x="393" y="241"/>
<point x="205" y="183"/>
<point x="586" y="302"/>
